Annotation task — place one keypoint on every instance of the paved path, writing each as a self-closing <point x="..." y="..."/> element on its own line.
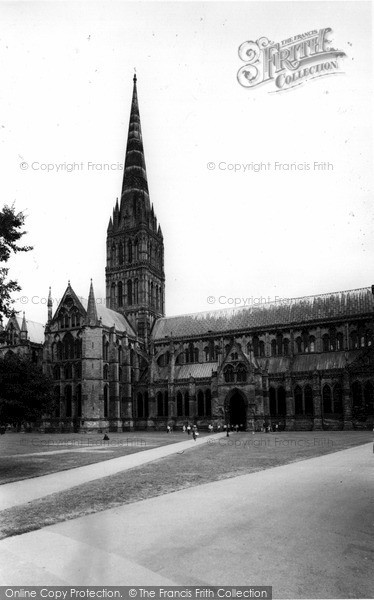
<point x="305" y="528"/>
<point x="19" y="492"/>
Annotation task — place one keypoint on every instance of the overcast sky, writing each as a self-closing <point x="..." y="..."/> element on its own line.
<point x="65" y="94"/>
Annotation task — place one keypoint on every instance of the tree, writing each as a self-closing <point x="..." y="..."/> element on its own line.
<point x="25" y="392"/>
<point x="11" y="224"/>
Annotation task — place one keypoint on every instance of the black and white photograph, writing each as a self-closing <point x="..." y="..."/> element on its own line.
<point x="186" y="300"/>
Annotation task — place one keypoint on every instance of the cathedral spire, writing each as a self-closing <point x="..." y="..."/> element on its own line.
<point x="91" y="317"/>
<point x="135" y="175"/>
<point x="49" y="305"/>
<point x="24" y="328"/>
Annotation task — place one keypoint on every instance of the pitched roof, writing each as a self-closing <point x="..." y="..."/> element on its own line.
<point x="197" y="371"/>
<point x="111" y="317"/>
<point x="295" y="311"/>
<point x="35" y="331"/>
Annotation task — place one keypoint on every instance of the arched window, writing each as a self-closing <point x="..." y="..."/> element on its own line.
<point x="279" y="344"/>
<point x="79" y="400"/>
<point x="281" y="401"/>
<point x="332" y="334"/>
<point x="200" y="403"/>
<point x="308" y="400"/>
<point x="357" y="394"/>
<point x="78" y="348"/>
<point x="120" y="294"/>
<point x="56" y="372"/>
<point x="136" y="291"/>
<point x="113" y="294"/>
<point x="312" y="343"/>
<point x="179" y="404"/>
<point x="140" y="407"/>
<point x="105" y="371"/>
<point x="255" y="345"/>
<point x="196" y="355"/>
<point x="56" y="401"/>
<point x="180" y="359"/>
<point x="338" y="398"/>
<point x="298" y="396"/>
<point x="369" y="398"/>
<point x="146" y="405"/>
<point x="160" y="404"/>
<point x="241" y="373"/>
<point x="113" y="255"/>
<point x="68" y="346"/>
<point x="339" y="341"/>
<point x="164" y="359"/>
<point x="286" y="346"/>
<point x="325" y="343"/>
<point x="129" y="251"/>
<point x="59" y="350"/>
<point x="136" y="249"/>
<point x="105" y="349"/>
<point x="354" y="340"/>
<point x="68" y="401"/>
<point x="187" y="404"/>
<point x="78" y="370"/>
<point x="206" y="354"/>
<point x="68" y="371"/>
<point x="273" y="347"/>
<point x="208" y="403"/>
<point x="305" y="341"/>
<point x="299" y="344"/>
<point x="129" y="293"/>
<point x="120" y="253"/>
<point x="369" y="338"/>
<point x="229" y="373"/>
<point x="261" y="347"/>
<point x="272" y="401"/>
<point x="106" y="402"/>
<point x="327" y="399"/>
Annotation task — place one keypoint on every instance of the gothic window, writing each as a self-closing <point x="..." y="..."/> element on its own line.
<point x="68" y="346"/>
<point x="354" y="340"/>
<point x="113" y="294"/>
<point x="68" y="371"/>
<point x="327" y="399"/>
<point x="308" y="400"/>
<point x="146" y="401"/>
<point x="196" y="355"/>
<point x="357" y="394"/>
<point x="339" y="341"/>
<point x="298" y="396"/>
<point x="54" y="351"/>
<point x="200" y="404"/>
<point x="105" y="349"/>
<point x="234" y="356"/>
<point x="164" y="359"/>
<point x="56" y="372"/>
<point x="78" y="348"/>
<point x="68" y="401"/>
<point x="261" y="348"/>
<point x="273" y="347"/>
<point x="152" y="298"/>
<point x="78" y="370"/>
<point x="119" y="374"/>
<point x="66" y="321"/>
<point x="56" y="401"/>
<point x="162" y="404"/>
<point x="120" y="294"/>
<point x="79" y="400"/>
<point x="299" y="344"/>
<point x="286" y="346"/>
<point x="136" y="291"/>
<point x="369" y="338"/>
<point x="179" y="404"/>
<point x="241" y="373"/>
<point x="281" y="400"/>
<point x="208" y="403"/>
<point x="191" y="354"/>
<point x="255" y="345"/>
<point x="186" y="404"/>
<point x="272" y="401"/>
<point x="113" y="255"/>
<point x="129" y="251"/>
<point x="105" y="371"/>
<point x="119" y="354"/>
<point x="106" y="401"/>
<point x="325" y="343"/>
<point x="279" y="344"/>
<point x="59" y="350"/>
<point x="332" y="334"/>
<point x="180" y="359"/>
<point x="229" y="373"/>
<point x="136" y="250"/>
<point x="338" y="398"/>
<point x="120" y="254"/>
<point x="312" y="343"/>
<point x="206" y="354"/>
<point x="129" y="293"/>
<point x="140" y="407"/>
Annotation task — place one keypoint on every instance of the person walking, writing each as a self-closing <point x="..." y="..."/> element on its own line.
<point x="189" y="429"/>
<point x="194" y="435"/>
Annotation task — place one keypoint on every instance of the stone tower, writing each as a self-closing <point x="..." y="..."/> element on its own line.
<point x="135" y="279"/>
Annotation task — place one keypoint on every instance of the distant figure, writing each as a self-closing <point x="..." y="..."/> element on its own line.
<point x="218" y="428"/>
<point x="276" y="427"/>
<point x="227" y="433"/>
<point x="189" y="429"/>
<point x="106" y="438"/>
<point x="194" y="435"/>
<point x="168" y="429"/>
<point x="236" y="428"/>
<point x="184" y="429"/>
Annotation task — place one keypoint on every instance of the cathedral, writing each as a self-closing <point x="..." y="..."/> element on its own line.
<point x="304" y="365"/>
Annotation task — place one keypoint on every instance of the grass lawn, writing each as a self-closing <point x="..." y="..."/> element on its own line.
<point x="31" y="455"/>
<point x="216" y="459"/>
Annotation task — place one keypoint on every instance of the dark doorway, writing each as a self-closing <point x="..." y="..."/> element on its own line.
<point x="237" y="410"/>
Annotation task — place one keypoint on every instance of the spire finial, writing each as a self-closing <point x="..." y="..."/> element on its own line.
<point x="134" y="78"/>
